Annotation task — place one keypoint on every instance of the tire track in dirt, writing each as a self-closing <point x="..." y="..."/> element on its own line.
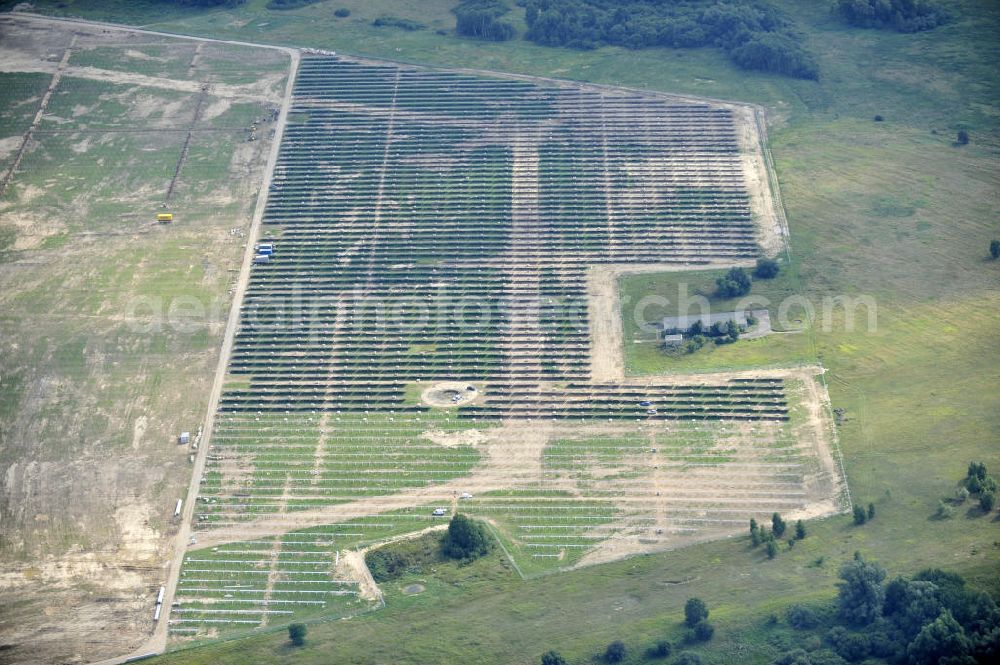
<point x="44" y="104"/>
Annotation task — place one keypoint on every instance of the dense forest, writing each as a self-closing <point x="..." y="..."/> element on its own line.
<point x="754" y="34"/>
<point x="901" y="15"/>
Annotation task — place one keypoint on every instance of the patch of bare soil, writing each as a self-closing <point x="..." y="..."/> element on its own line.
<point x="449" y="394"/>
<point x="771" y="228"/>
<point x="353" y="567"/>
<point x="469" y="437"/>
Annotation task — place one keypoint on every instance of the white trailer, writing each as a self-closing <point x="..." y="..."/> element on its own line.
<point x="177" y="509"/>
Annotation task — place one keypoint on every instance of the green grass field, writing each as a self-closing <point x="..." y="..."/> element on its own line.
<point x="892" y="209"/>
<point x="672" y="291"/>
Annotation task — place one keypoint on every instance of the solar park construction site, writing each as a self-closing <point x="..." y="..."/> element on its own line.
<point x="430" y="326"/>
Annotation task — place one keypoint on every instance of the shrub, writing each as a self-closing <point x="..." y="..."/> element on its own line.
<point x="860" y="516"/>
<point x="661" y="649"/>
<point x="736" y="283"/>
<point x="796" y="657"/>
<point x="766" y="269"/>
<point x="995" y="249"/>
<point x="778" y="525"/>
<point x="871" y="511"/>
<point x="615" y="653"/>
<point x="802" y="618"/>
<point x="467" y="539"/>
<point x="879" y="118"/>
<point x="695" y="611"/>
<point x="961" y="495"/>
<point x="688" y="658"/>
<point x="396" y="559"/>
<point x="962" y="138"/>
<point x="343" y="12"/>
<point x="772" y="549"/>
<point x="396" y="22"/>
<point x="899" y="15"/>
<point x="849" y="646"/>
<point x="944" y="511"/>
<point x="987" y="501"/>
<point x="704" y="631"/>
<point x="289" y="4"/>
<point x="800" y="530"/>
<point x="297" y="634"/>
<point x="552" y="658"/>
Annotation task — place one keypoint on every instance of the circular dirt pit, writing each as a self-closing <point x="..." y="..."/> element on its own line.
<point x="449" y="393"/>
<point x="413" y="589"/>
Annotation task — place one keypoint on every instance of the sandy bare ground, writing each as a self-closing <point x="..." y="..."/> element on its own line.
<point x="768" y="215"/>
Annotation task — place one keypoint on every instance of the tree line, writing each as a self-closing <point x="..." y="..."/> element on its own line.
<point x="755" y="35"/>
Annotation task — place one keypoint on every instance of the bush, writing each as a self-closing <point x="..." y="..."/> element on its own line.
<point x="289" y="4"/>
<point x="879" y="118"/>
<point x="695" y="611"/>
<point x="800" y="530"/>
<point x="995" y="249"/>
<point x="772" y="548"/>
<point x="552" y="658"/>
<point x="778" y="525"/>
<point x="467" y="539"/>
<point x="802" y="618"/>
<point x="297" y="634"/>
<point x="987" y="501"/>
<point x="961" y="495"/>
<point x="871" y="511"/>
<point x="849" y="646"/>
<point x="615" y="653"/>
<point x="944" y="511"/>
<point x="396" y="22"/>
<point x="396" y="559"/>
<point x="766" y="269"/>
<point x="704" y="631"/>
<point x="343" y="12"/>
<point x="796" y="657"/>
<point x="899" y="15"/>
<point x="860" y="516"/>
<point x="661" y="649"/>
<point x="962" y="138"/>
<point x="688" y="658"/>
<point x="736" y="283"/>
